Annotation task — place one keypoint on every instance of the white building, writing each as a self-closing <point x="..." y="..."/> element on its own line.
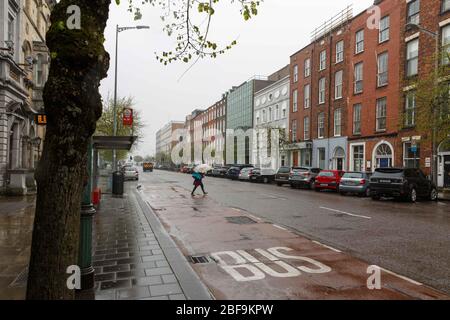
<point x="23" y="69"/>
<point x="164" y="140"/>
<point x="271" y="111"/>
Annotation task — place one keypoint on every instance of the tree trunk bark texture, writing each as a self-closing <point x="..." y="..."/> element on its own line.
<point x="73" y="105"/>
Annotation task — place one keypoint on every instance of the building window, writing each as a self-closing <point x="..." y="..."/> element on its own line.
<point x="383" y="156"/>
<point x="358" y="157"/>
<point x="307" y="67"/>
<point x="306" y="96"/>
<point x="284" y="112"/>
<point x="410" y="109"/>
<point x="305" y="157"/>
<point x="413" y="12"/>
<point x="323" y="60"/>
<point x="382" y="77"/>
<point x="338" y="84"/>
<point x="359" y="41"/>
<point x="359" y="77"/>
<point x="357" y="119"/>
<point x="321" y="158"/>
<point x="306" y="128"/>
<point x="270" y="114"/>
<point x="445" y="5"/>
<point x="412" y="58"/>
<point x="322" y="91"/>
<point x="446" y="45"/>
<point x="264" y="117"/>
<point x="384" y="29"/>
<point x="295" y="101"/>
<point x="340" y="51"/>
<point x="11" y="29"/>
<point x="277" y="112"/>
<point x="320" y="125"/>
<point x="39" y="76"/>
<point x="411" y="155"/>
<point x="258" y="119"/>
<point x="381" y="114"/>
<point x="295" y="73"/>
<point x="294" y="130"/>
<point x="337" y="122"/>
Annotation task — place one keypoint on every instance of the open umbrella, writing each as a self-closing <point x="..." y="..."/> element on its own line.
<point x="202" y="168"/>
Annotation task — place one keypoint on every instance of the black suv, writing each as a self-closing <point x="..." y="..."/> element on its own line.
<point x="403" y="183"/>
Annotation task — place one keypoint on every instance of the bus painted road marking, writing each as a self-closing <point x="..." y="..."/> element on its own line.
<point x="346" y="213"/>
<point x="328" y="247"/>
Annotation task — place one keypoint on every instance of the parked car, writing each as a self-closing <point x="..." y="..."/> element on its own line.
<point x="244" y="174"/>
<point x="328" y="179"/>
<point x="220" y="171"/>
<point x="355" y="182"/>
<point x="303" y="176"/>
<point x="403" y="183"/>
<point x="189" y="169"/>
<point x="234" y="171"/>
<point x="282" y="176"/>
<point x="131" y="173"/>
<point x="265" y="175"/>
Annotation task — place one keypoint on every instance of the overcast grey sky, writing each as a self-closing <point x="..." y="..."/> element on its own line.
<point x="265" y="44"/>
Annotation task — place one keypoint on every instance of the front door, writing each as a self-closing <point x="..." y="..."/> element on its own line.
<point x="295" y="159"/>
<point x="339" y="164"/>
<point x="446" y="171"/>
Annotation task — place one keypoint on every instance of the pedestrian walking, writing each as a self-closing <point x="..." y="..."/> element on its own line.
<point x="198" y="181"/>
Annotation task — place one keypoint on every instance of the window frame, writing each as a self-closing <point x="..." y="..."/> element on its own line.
<point x="408" y="109"/>
<point x="307" y="97"/>
<point x="357" y="106"/>
<point x="411" y="59"/>
<point x="337" y="122"/>
<point x="322" y="91"/>
<point x="386" y="29"/>
<point x="338" y="87"/>
<point x="307" y="67"/>
<point x="322" y="60"/>
<point x="306" y="133"/>
<point x="296" y="73"/>
<point x="358" y="79"/>
<point x="295" y="100"/>
<point x="413" y="18"/>
<point x="379" y="117"/>
<point x="321" y="125"/>
<point x="339" y="51"/>
<point x="385" y="73"/>
<point x="360" y="41"/>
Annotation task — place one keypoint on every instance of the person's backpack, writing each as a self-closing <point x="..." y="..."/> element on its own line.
<point x="197" y="176"/>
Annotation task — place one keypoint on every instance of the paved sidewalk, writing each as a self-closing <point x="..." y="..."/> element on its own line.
<point x="16" y="225"/>
<point x="128" y="259"/>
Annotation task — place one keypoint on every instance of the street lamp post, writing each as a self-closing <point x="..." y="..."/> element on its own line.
<point x="436" y="37"/>
<point x="119" y="29"/>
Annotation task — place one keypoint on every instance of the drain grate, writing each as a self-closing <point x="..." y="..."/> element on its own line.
<point x="21" y="280"/>
<point x="199" y="259"/>
<point x="240" y="220"/>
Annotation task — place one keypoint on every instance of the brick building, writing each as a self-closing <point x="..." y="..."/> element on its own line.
<point x="318" y="106"/>
<point x="430" y="29"/>
<point x="213" y="131"/>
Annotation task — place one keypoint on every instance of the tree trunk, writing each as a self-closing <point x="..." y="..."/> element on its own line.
<point x="73" y="105"/>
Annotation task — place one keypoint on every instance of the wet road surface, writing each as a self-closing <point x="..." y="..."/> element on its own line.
<point x="410" y="239"/>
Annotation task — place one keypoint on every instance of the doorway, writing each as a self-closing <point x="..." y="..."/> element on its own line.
<point x="447" y="171"/>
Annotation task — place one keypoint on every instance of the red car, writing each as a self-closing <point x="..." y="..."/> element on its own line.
<point x="328" y="179"/>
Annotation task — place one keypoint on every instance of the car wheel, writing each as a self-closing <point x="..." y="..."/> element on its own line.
<point x="412" y="196"/>
<point x="342" y="193"/>
<point x="367" y="193"/>
<point x="317" y="189"/>
<point x="279" y="184"/>
<point x="312" y="185"/>
<point x="292" y="186"/>
<point x="376" y="198"/>
<point x="433" y="194"/>
<point x="266" y="180"/>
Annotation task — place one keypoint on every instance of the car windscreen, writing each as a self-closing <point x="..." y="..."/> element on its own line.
<point x="300" y="169"/>
<point x="284" y="170"/>
<point x="326" y="174"/>
<point x="388" y="172"/>
<point x="353" y="175"/>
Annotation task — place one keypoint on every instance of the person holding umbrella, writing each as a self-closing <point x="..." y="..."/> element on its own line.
<point x="198" y="175"/>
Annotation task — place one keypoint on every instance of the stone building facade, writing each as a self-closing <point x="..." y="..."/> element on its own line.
<point x="24" y="63"/>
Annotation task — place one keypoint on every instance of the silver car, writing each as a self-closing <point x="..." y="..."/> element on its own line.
<point x="355" y="182"/>
<point x="131" y="173"/>
<point x="245" y="173"/>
